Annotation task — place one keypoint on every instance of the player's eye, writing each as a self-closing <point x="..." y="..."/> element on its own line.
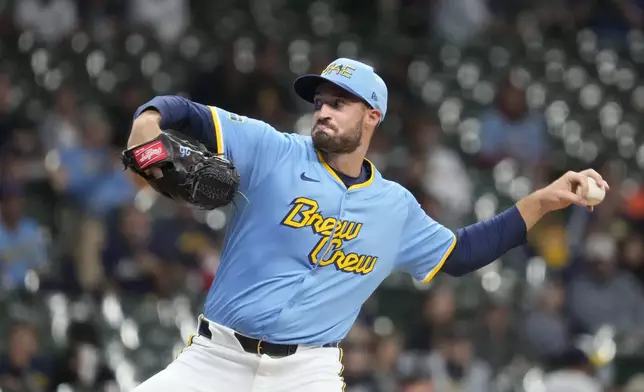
<point x="337" y="103"/>
<point x="317" y="104"/>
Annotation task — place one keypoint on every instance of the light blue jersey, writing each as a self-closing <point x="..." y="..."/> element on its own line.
<point x="303" y="253"/>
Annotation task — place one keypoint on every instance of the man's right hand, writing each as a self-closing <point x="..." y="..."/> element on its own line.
<point x="145" y="128"/>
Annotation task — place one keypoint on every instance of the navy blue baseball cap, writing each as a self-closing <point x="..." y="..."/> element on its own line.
<point x="353" y="76"/>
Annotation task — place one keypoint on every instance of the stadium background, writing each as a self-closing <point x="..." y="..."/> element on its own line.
<point x="489" y="99"/>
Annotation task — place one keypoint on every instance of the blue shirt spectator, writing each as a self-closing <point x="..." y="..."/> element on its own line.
<point x="193" y="245"/>
<point x="91" y="173"/>
<point x="546" y="327"/>
<point x="604" y="295"/>
<point x="127" y="243"/>
<point x="509" y="129"/>
<point x="93" y="179"/>
<point x="131" y="262"/>
<point x="523" y="139"/>
<point x="22" y="244"/>
<point x="183" y="238"/>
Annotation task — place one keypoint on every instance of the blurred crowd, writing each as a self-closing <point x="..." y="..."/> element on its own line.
<point x="489" y="99"/>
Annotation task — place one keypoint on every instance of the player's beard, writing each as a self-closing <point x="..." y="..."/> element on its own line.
<point x="338" y="142"/>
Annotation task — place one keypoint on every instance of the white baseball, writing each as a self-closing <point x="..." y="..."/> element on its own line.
<point x="595" y="192"/>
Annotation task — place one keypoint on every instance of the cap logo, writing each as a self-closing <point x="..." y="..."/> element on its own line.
<point x="374" y="97"/>
<point x="339" y="69"/>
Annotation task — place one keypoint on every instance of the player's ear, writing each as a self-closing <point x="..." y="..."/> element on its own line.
<point x="373" y="117"/>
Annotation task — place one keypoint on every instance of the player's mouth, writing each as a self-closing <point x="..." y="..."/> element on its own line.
<point x="322" y="127"/>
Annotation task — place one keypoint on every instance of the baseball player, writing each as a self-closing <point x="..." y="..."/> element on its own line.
<point x="317" y="231"/>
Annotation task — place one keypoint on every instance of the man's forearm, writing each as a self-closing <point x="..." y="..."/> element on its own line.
<point x="480" y="244"/>
<point x="144" y="128"/>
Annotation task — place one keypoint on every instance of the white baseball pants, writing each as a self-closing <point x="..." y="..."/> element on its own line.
<point x="221" y="365"/>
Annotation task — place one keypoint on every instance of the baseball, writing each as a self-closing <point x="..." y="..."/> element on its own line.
<point x="595" y="192"/>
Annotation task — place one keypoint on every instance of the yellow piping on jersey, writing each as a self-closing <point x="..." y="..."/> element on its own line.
<point x="218" y="134"/>
<point x="356" y="186"/>
<point x="344" y="384"/>
<point x="434" y="271"/>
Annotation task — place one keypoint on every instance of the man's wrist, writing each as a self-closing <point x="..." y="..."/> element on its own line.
<point x="531" y="209"/>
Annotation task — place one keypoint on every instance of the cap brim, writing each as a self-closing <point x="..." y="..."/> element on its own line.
<point x="306" y="85"/>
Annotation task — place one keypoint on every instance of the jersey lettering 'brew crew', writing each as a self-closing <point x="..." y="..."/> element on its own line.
<point x="303" y="253"/>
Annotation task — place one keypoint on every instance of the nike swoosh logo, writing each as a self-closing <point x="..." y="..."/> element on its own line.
<point x="305" y="178"/>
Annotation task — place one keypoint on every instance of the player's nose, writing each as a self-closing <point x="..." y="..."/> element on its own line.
<point x="321" y="116"/>
<point x="324" y="111"/>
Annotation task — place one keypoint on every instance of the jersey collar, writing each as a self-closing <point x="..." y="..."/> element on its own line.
<point x="328" y="168"/>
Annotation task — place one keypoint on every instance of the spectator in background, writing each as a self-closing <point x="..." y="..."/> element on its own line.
<point x="225" y="85"/>
<point x="603" y="295"/>
<point x="20" y="155"/>
<point x="388" y="351"/>
<point x="51" y="20"/>
<point x="411" y="17"/>
<point x="632" y="255"/>
<point x="496" y="338"/>
<point x="439" y="162"/>
<point x="554" y="16"/>
<point x="22" y="244"/>
<point x="272" y="104"/>
<point x="131" y="96"/>
<point x="102" y="19"/>
<point x="23" y="368"/>
<point x="9" y="118"/>
<point x="418" y="384"/>
<point x="458" y="21"/>
<point x="573" y="373"/>
<point x="453" y="365"/>
<point x="634" y="208"/>
<point x="546" y="327"/>
<point x="191" y="243"/>
<point x="81" y="365"/>
<point x="610" y="19"/>
<point x="91" y="178"/>
<point x="270" y="108"/>
<point x="91" y="174"/>
<point x="437" y="317"/>
<point x="60" y="128"/>
<point x="510" y="130"/>
<point x="358" y="349"/>
<point x="167" y="19"/>
<point x="131" y="265"/>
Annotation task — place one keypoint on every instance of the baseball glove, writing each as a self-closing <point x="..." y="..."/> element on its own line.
<point x="191" y="173"/>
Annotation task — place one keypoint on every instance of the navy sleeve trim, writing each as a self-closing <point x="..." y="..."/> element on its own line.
<point x="480" y="244"/>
